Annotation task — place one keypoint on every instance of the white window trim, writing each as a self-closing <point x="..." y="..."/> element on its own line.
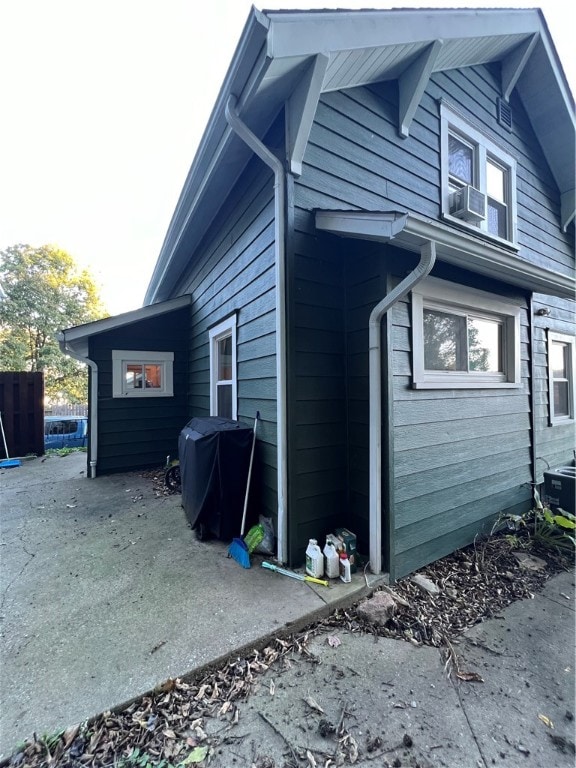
<point x="225" y="328"/>
<point x="450" y="119"/>
<point x="571" y="342"/>
<point x="123" y="357"/>
<point x="439" y="294"/>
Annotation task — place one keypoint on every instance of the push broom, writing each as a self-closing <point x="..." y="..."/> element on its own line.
<point x="238" y="549"/>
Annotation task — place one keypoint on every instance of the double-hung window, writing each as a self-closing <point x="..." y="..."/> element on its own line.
<point x="463" y="338"/>
<point x="142" y="373"/>
<point x="223" y="380"/>
<point x="561" y="374"/>
<point x="478" y="179"/>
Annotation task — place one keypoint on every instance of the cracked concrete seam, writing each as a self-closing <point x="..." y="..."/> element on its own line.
<point x="31" y="556"/>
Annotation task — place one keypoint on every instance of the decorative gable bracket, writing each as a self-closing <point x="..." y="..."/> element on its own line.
<point x="301" y="109"/>
<point x="513" y="65"/>
<point x="412" y="84"/>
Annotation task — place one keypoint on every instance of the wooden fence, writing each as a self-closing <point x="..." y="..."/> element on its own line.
<point x="22" y="409"/>
<point x="77" y="409"/>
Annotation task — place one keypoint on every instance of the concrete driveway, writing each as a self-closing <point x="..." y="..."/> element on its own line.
<point x="105" y="592"/>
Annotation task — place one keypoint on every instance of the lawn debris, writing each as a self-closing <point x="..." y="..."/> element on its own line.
<point x="169" y="726"/>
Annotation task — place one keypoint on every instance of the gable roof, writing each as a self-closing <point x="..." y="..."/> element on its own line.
<point x="296" y="56"/>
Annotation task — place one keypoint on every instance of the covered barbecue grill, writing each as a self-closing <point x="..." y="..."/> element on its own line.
<point x="214" y="461"/>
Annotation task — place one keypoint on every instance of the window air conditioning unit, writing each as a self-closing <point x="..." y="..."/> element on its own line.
<point x="468" y="204"/>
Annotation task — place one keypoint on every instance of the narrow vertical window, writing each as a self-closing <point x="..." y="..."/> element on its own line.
<point x="223" y="381"/>
<point x="561" y="377"/>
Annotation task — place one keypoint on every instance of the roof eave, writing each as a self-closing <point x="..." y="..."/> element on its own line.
<point x="77" y="337"/>
<point x="247" y="63"/>
<point x="291" y="38"/>
<point x="460" y="249"/>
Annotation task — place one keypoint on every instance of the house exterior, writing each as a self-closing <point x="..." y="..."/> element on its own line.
<point x="374" y="248"/>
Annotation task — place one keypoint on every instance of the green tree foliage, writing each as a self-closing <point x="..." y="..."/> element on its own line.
<point x="452" y="344"/>
<point x="45" y="292"/>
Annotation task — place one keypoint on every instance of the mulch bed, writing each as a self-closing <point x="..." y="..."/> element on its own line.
<point x="169" y="726"/>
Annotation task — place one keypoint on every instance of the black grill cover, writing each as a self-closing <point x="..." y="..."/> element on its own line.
<point x="214" y="460"/>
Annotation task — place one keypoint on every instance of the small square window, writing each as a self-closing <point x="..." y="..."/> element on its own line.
<point x="142" y="373"/>
<point x="223" y="381"/>
<point x="463" y="338"/>
<point x="561" y="366"/>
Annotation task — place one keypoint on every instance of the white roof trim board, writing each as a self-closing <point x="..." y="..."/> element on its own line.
<point x="345" y="49"/>
<point x="77" y="337"/>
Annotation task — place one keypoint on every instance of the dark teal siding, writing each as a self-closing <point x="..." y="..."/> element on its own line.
<point x="317" y="404"/>
<point x="438" y="499"/>
<point x="475" y="91"/>
<point x="234" y="271"/>
<point x="460" y="456"/>
<point x="137" y="433"/>
<point x="365" y="269"/>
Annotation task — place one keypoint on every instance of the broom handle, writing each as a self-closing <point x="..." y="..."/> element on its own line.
<point x="4" y="437"/>
<point x="297" y="576"/>
<point x="249" y="476"/>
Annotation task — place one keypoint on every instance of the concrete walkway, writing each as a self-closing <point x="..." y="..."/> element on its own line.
<point x="398" y="707"/>
<point x="105" y="592"/>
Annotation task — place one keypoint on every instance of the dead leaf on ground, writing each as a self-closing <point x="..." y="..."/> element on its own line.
<point x="196" y="756"/>
<point x="313" y="704"/>
<point x="470" y="677"/>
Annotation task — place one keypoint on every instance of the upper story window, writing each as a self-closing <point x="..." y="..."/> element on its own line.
<point x="142" y="373"/>
<point x="478" y="179"/>
<point x="223" y="380"/>
<point x="561" y="374"/>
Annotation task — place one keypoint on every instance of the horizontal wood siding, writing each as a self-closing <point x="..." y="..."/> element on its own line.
<point x="475" y="91"/>
<point x="233" y="271"/>
<point x="134" y="433"/>
<point x="460" y="456"/>
<point x="317" y="406"/>
<point x="365" y="270"/>
<point x="555" y="444"/>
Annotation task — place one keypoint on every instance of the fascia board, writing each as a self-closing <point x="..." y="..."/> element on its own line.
<point x="483" y="257"/>
<point x="411" y="232"/>
<point x="308" y="33"/>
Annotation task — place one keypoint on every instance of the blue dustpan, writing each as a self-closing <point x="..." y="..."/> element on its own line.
<point x="7" y="462"/>
<point x="10" y="463"/>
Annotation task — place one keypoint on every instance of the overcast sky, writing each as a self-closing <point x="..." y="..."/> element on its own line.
<point x="103" y="106"/>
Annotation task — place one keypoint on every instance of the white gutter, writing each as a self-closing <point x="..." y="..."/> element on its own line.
<point x="427" y="259"/>
<point x="252" y="141"/>
<point x="93" y="415"/>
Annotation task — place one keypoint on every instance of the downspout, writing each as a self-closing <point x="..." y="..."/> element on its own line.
<point x="276" y="165"/>
<point x="427" y="259"/>
<point x="533" y="426"/>
<point x="93" y="416"/>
